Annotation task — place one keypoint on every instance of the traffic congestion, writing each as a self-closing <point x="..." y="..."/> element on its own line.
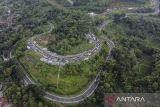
<point x="55" y="59"/>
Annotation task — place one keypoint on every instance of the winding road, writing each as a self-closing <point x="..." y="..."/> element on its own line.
<point x="89" y="90"/>
<point x="55" y="59"/>
<point x="92" y="87"/>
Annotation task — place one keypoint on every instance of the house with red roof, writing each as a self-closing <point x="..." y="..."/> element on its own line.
<point x="4" y="103"/>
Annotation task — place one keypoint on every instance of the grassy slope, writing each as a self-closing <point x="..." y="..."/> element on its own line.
<point x="46" y="75"/>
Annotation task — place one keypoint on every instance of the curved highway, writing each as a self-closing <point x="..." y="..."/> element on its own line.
<point x="89" y="91"/>
<point x="92" y="87"/>
<point x="54" y="59"/>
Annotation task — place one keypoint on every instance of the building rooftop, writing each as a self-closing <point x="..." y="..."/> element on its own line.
<point x="3" y="101"/>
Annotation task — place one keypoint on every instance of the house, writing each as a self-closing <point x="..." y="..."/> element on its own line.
<point x="3" y="24"/>
<point x="3" y="102"/>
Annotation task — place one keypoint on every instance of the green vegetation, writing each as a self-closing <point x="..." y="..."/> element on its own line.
<point x="128" y="3"/>
<point x="89" y="5"/>
<point x="102" y="5"/>
<point x="75" y="25"/>
<point x="74" y="77"/>
<point x="65" y="49"/>
<point x="41" y="28"/>
<point x="30" y="96"/>
<point x="136" y="59"/>
<point x="69" y="34"/>
<point x="135" y="63"/>
<point x="33" y="20"/>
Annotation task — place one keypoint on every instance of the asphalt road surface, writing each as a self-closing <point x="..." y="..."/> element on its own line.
<point x="55" y="59"/>
<point x="88" y="92"/>
<point x="92" y="87"/>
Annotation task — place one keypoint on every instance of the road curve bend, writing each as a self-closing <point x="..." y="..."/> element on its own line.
<point x="94" y="84"/>
<point x="88" y="92"/>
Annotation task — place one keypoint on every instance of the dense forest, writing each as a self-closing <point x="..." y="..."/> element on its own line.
<point x="70" y="26"/>
<point x="135" y="65"/>
<point x="70" y="30"/>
